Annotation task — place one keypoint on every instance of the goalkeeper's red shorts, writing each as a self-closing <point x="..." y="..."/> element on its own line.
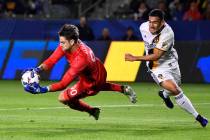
<point x="84" y="88"/>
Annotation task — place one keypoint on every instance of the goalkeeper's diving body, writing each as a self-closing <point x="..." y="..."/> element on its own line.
<point x="84" y="65"/>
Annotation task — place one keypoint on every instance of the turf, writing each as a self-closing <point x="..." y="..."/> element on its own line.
<point x="25" y="116"/>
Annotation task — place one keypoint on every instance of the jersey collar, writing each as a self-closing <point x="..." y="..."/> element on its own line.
<point x="158" y="32"/>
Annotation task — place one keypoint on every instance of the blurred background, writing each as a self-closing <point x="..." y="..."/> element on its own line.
<point x="28" y="35"/>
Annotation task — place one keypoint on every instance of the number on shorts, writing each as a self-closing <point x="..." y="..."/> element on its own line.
<point x="73" y="92"/>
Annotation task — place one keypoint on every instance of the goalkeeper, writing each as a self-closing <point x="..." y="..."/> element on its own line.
<point x="83" y="64"/>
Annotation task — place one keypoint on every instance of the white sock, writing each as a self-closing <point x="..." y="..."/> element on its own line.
<point x="185" y="104"/>
<point x="166" y="93"/>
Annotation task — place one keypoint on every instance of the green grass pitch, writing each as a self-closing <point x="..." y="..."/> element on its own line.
<point x="25" y="116"/>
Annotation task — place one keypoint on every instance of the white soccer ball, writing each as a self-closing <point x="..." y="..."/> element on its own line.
<point x="29" y="77"/>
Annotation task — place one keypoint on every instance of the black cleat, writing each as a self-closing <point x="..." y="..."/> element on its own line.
<point x="167" y="101"/>
<point x="95" y="112"/>
<point x="202" y="120"/>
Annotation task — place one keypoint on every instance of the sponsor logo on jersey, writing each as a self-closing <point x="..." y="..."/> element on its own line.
<point x="149" y="46"/>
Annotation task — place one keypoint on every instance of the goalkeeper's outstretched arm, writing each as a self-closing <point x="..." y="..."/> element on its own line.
<point x="42" y="67"/>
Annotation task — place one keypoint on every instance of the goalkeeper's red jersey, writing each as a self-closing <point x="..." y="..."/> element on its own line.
<point x="83" y="64"/>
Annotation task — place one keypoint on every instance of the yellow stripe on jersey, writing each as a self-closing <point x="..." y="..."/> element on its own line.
<point x="154" y="64"/>
<point x="117" y="68"/>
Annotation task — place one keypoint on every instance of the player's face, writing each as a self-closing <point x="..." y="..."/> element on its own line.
<point x="154" y="24"/>
<point x="64" y="43"/>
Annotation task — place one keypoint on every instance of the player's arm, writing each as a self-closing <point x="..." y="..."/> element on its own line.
<point x="162" y="46"/>
<point x="65" y="81"/>
<point x="69" y="76"/>
<point x="46" y="65"/>
<point x="157" y="53"/>
<point x="51" y="61"/>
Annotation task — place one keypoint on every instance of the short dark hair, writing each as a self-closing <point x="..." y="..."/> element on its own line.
<point x="69" y="31"/>
<point x="157" y="13"/>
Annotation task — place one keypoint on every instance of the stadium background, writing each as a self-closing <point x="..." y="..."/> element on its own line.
<point x="28" y="35"/>
<point x="26" y="43"/>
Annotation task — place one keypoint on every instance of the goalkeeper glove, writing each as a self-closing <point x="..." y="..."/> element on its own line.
<point x="35" y="88"/>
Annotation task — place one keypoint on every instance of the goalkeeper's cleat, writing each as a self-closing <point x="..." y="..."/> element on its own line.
<point x="202" y="120"/>
<point x="167" y="101"/>
<point x="95" y="112"/>
<point x="130" y="93"/>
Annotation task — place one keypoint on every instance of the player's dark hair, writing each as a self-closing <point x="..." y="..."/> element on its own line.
<point x="157" y="13"/>
<point x="69" y="31"/>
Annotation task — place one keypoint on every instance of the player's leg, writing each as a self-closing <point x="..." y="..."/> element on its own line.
<point x="179" y="96"/>
<point x="164" y="94"/>
<point x="182" y="100"/>
<point x="102" y="85"/>
<point x="72" y="98"/>
<point x="170" y="80"/>
<point x="158" y="77"/>
<point x="112" y="87"/>
<point x="76" y="104"/>
<point x="124" y="89"/>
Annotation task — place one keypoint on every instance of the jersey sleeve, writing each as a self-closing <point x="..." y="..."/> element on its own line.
<point x="55" y="56"/>
<point x="141" y="27"/>
<point x="165" y="42"/>
<point x="76" y="68"/>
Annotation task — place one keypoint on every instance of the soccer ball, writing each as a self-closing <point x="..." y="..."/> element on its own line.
<point x="29" y="78"/>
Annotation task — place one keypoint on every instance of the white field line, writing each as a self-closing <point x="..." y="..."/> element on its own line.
<point x="102" y="106"/>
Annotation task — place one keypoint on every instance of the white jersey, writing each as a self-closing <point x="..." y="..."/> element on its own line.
<point x="163" y="41"/>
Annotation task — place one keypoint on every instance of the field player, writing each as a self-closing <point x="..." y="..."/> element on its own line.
<point x="84" y="65"/>
<point x="162" y="62"/>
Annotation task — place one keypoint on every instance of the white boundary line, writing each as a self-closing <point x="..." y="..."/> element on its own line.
<point x="103" y="106"/>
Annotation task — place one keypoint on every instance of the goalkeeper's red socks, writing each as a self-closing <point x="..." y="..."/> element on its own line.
<point x="112" y="87"/>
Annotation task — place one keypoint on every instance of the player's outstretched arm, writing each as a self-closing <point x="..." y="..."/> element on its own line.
<point x="151" y="57"/>
<point x="41" y="68"/>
